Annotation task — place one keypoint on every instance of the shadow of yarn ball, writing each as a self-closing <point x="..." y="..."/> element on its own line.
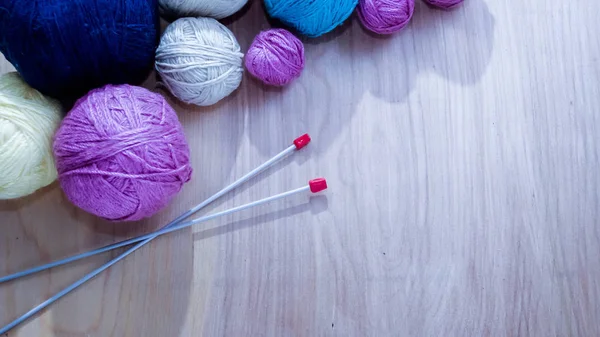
<point x="348" y="62"/>
<point x="470" y="26"/>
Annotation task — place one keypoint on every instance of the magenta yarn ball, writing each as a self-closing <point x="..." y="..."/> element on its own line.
<point x="444" y="4"/>
<point x="121" y="153"/>
<point x="385" y="16"/>
<point x="275" y="57"/>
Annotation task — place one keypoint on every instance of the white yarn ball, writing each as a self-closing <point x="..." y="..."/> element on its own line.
<point x="217" y="9"/>
<point x="199" y="60"/>
<point x="28" y="121"/>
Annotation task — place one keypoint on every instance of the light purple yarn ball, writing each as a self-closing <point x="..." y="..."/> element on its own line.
<point x="275" y="57"/>
<point x="444" y="4"/>
<point x="385" y="16"/>
<point x="121" y="153"/>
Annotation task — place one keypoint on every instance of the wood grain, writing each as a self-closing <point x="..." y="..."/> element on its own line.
<point x="463" y="159"/>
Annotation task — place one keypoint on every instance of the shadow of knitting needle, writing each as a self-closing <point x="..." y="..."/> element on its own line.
<point x="316" y="205"/>
<point x="313" y="186"/>
<point x="120" y="232"/>
<point x="299" y="159"/>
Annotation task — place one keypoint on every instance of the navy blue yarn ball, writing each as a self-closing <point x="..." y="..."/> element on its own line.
<point x="64" y="48"/>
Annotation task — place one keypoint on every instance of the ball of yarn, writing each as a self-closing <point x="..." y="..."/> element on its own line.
<point x="199" y="60"/>
<point x="28" y="121"/>
<point x="385" y="16"/>
<point x="217" y="9"/>
<point x="276" y="57"/>
<point x="121" y="153"/>
<point x="312" y="18"/>
<point x="66" y="48"/>
<point x="444" y="4"/>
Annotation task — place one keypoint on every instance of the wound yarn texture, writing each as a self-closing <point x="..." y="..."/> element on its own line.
<point x="28" y="121"/>
<point x="121" y="153"/>
<point x="444" y="4"/>
<point x="65" y="48"/>
<point x="199" y="60"/>
<point x="276" y="57"/>
<point x="312" y="18"/>
<point x="217" y="9"/>
<point x="385" y="16"/>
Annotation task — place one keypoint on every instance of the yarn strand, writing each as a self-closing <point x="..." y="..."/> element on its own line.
<point x="121" y="153"/>
<point x="199" y="61"/>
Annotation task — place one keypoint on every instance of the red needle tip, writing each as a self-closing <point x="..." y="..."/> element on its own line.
<point x="317" y="185"/>
<point x="302" y="141"/>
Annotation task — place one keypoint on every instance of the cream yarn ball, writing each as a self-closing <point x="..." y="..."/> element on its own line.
<point x="199" y="60"/>
<point x="28" y="121"/>
<point x="217" y="9"/>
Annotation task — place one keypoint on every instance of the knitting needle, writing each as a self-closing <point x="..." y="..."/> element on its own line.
<point x="298" y="144"/>
<point x="314" y="186"/>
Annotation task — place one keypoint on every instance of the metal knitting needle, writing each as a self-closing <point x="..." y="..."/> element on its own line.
<point x="314" y="186"/>
<point x="299" y="143"/>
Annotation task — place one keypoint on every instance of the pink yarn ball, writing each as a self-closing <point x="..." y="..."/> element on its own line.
<point x="121" y="153"/>
<point x="444" y="4"/>
<point x="275" y="57"/>
<point x="385" y="16"/>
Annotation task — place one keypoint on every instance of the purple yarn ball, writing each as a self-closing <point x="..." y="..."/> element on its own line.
<point x="121" y="153"/>
<point x="275" y="57"/>
<point x="385" y="16"/>
<point x="444" y="4"/>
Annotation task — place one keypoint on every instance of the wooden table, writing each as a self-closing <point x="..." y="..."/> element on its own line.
<point x="463" y="159"/>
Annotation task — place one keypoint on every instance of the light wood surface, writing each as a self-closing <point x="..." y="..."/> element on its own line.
<point x="463" y="156"/>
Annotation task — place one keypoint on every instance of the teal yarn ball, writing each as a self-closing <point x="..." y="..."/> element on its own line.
<point x="312" y="18"/>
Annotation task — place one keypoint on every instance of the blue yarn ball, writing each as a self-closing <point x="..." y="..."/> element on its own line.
<point x="312" y="18"/>
<point x="64" y="48"/>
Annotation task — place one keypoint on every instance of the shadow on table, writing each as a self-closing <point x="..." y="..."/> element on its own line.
<point x="316" y="205"/>
<point x="347" y="63"/>
<point x="150" y="293"/>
